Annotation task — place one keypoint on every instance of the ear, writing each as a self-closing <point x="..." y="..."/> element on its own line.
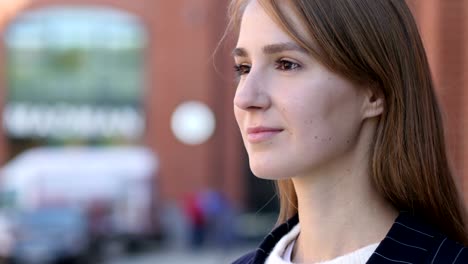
<point x="374" y="102"/>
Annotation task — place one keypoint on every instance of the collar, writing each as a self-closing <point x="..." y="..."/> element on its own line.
<point x="409" y="240"/>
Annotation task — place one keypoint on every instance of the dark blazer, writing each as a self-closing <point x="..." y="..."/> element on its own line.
<point x="409" y="241"/>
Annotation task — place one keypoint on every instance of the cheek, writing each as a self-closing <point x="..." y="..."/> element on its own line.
<point x="340" y="99"/>
<point x="324" y="116"/>
<point x="239" y="115"/>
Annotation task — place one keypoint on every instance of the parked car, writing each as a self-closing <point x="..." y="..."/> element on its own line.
<point x="50" y="235"/>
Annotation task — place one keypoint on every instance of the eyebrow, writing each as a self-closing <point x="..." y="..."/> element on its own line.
<point x="271" y="49"/>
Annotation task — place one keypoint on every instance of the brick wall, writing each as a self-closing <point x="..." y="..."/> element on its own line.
<point x="443" y="25"/>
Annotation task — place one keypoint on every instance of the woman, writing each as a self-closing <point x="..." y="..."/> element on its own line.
<point x="335" y="103"/>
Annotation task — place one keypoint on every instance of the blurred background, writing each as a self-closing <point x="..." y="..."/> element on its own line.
<point x="118" y="143"/>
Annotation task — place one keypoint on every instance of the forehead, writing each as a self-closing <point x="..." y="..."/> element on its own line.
<point x="258" y="28"/>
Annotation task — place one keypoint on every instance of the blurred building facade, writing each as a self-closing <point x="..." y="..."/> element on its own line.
<point x="181" y="66"/>
<point x="443" y="26"/>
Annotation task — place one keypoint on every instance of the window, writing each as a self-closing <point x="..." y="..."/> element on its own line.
<point x="75" y="72"/>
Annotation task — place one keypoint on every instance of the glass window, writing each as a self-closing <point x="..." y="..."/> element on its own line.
<point x="75" y="72"/>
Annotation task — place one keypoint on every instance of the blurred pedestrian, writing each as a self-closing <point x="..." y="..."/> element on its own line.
<point x="194" y="212"/>
<point x="335" y="103"/>
<point x="218" y="214"/>
<point x="7" y="239"/>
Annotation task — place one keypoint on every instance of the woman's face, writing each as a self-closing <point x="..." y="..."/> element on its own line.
<point x="295" y="116"/>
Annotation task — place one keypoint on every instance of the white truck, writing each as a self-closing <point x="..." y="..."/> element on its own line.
<point x="122" y="177"/>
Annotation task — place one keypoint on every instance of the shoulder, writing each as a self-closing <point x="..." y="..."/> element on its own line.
<point x="449" y="251"/>
<point x="411" y="240"/>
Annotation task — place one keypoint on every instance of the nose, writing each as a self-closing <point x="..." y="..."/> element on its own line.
<point x="252" y="94"/>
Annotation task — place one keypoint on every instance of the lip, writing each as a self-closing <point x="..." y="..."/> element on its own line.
<point x="259" y="134"/>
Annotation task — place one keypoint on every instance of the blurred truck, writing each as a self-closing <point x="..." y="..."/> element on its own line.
<point x="115" y="185"/>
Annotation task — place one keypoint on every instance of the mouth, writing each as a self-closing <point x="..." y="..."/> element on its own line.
<point x="260" y="134"/>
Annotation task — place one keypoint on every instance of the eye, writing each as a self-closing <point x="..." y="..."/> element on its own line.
<point x="286" y="65"/>
<point x="242" y="69"/>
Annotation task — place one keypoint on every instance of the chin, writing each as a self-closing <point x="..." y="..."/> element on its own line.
<point x="269" y="171"/>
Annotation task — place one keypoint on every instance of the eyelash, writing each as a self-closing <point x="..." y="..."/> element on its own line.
<point x="241" y="69"/>
<point x="281" y="64"/>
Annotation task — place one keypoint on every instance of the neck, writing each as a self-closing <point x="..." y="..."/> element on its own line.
<point x="339" y="209"/>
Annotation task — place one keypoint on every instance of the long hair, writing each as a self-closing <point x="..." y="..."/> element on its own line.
<point x="378" y="43"/>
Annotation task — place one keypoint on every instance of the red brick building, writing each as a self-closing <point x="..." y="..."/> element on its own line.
<point x="443" y="26"/>
<point x="179" y="67"/>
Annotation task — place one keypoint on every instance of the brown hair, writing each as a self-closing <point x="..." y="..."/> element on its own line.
<point x="377" y="42"/>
